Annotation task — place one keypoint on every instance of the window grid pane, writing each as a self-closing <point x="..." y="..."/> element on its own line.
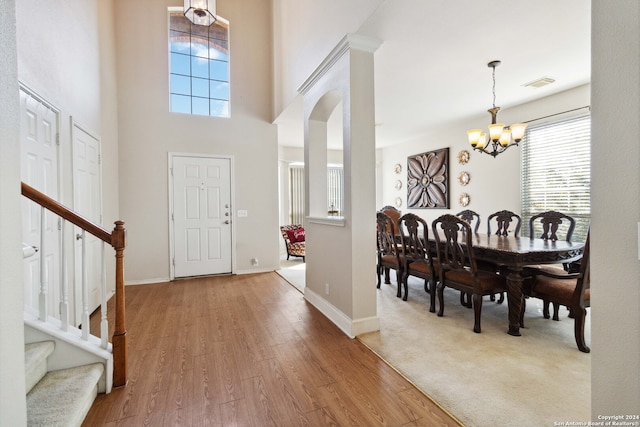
<point x="199" y="67"/>
<point x="556" y="171"/>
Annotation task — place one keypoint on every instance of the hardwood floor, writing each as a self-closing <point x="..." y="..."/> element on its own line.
<point x="249" y="350"/>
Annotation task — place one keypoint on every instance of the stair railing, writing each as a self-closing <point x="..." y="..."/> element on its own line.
<point x="117" y="239"/>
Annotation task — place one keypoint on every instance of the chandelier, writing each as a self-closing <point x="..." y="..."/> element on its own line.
<point x="501" y="136"/>
<point x="200" y="12"/>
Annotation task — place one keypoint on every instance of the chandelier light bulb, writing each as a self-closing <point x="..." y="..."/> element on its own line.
<point x="495" y="131"/>
<point x="474" y="136"/>
<point x="517" y="131"/>
<point x="505" y="138"/>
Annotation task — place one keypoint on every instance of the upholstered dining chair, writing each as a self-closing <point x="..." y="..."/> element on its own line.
<point x="418" y="259"/>
<point x="471" y="217"/>
<point x="503" y="220"/>
<point x="569" y="289"/>
<point x="458" y="268"/>
<point x="548" y="225"/>
<point x="388" y="251"/>
<point x="551" y="222"/>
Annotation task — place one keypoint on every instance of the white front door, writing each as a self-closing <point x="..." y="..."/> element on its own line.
<point x="39" y="169"/>
<point x="87" y="201"/>
<point x="201" y="189"/>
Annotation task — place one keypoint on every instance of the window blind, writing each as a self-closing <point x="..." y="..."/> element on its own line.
<point x="335" y="188"/>
<point x="335" y="192"/>
<point x="556" y="171"/>
<point x="296" y="195"/>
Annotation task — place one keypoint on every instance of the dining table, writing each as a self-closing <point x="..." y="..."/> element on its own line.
<point x="515" y="253"/>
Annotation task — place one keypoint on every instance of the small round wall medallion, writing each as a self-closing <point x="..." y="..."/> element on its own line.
<point x="398" y="185"/>
<point x="398" y="201"/>
<point x="463" y="157"/>
<point x="397" y="168"/>
<point x="464" y="178"/>
<point x="464" y="199"/>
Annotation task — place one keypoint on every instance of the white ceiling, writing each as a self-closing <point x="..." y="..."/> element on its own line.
<point x="432" y="65"/>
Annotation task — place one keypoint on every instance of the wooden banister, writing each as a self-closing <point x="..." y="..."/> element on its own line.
<point x="117" y="239"/>
<point x="66" y="213"/>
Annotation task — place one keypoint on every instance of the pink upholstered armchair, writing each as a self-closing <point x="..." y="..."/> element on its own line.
<point x="294" y="237"/>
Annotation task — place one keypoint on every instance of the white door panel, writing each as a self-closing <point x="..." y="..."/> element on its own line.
<point x="39" y="169"/>
<point x="87" y="201"/>
<point x="201" y="216"/>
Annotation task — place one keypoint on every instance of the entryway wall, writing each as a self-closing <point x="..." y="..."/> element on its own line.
<point x="340" y="267"/>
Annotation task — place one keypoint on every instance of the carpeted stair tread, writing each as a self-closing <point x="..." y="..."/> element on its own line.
<point x="35" y="361"/>
<point x="63" y="397"/>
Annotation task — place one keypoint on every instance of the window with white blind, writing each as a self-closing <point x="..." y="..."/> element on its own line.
<point x="556" y="171"/>
<point x="335" y="196"/>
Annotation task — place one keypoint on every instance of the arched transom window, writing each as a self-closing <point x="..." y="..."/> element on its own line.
<point x="199" y="66"/>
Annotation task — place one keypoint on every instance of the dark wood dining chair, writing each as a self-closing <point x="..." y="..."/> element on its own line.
<point x="458" y="268"/>
<point x="472" y="217"/>
<point x="388" y="251"/>
<point x="569" y="289"/>
<point x="548" y="226"/>
<point x="418" y="259"/>
<point x="551" y="222"/>
<point x="474" y="220"/>
<point x="393" y="213"/>
<point x="503" y="220"/>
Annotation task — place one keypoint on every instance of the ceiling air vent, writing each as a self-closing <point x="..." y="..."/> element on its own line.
<point x="540" y="82"/>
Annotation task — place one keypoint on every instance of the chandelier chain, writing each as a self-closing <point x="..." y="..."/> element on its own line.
<point x="494" y="87"/>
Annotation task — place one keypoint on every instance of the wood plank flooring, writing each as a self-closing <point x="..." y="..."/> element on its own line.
<point x="249" y="350"/>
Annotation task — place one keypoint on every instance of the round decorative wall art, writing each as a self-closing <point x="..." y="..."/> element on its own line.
<point x="397" y="168"/>
<point x="464" y="199"/>
<point x="398" y="185"/>
<point x="398" y="201"/>
<point x="464" y="178"/>
<point x="463" y="157"/>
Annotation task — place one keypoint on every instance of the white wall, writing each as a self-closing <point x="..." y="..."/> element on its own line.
<point x="495" y="182"/>
<point x="13" y="409"/>
<point x="148" y="131"/>
<point x="66" y="56"/>
<point x="615" y="185"/>
<point x="304" y="34"/>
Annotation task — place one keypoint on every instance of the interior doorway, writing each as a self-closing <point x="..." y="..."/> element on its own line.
<point x="87" y="201"/>
<point x="39" y="157"/>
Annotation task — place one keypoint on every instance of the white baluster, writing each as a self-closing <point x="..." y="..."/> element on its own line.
<point x="85" y="292"/>
<point x="42" y="297"/>
<point x="104" y="323"/>
<point x="64" y="286"/>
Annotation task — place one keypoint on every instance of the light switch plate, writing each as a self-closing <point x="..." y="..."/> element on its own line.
<point x="242" y="213"/>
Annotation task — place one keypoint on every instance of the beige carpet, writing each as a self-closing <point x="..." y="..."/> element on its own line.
<point x="487" y="379"/>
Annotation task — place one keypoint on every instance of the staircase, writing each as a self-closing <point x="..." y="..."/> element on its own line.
<point x="58" y="398"/>
<point x="67" y="366"/>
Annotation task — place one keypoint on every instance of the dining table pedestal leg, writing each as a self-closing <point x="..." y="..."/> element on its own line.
<point x="514" y="299"/>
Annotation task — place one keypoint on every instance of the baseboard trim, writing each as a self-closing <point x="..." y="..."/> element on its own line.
<point x="147" y="281"/>
<point x="351" y="327"/>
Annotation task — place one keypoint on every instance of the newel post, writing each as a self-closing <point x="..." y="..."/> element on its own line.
<point x="119" y="340"/>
